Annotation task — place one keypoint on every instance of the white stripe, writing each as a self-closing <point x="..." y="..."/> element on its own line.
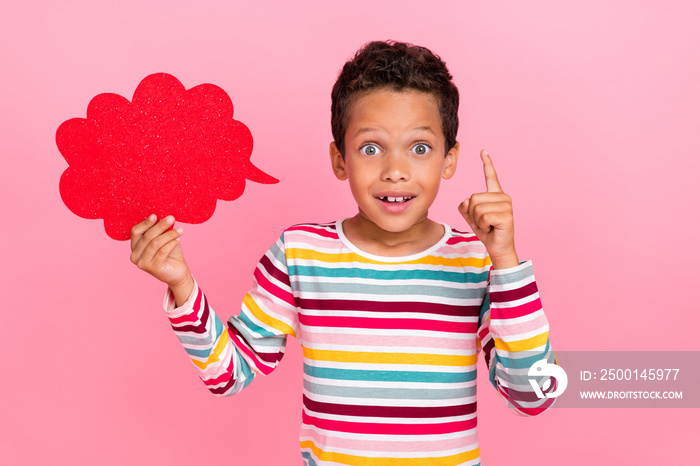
<point x="391" y="315"/>
<point x="388" y="384"/>
<point x="389" y="349"/>
<point x="388" y="402"/>
<point x="390" y="437"/>
<point x="389" y="420"/>
<point x="389" y="367"/>
<point x="467" y="337"/>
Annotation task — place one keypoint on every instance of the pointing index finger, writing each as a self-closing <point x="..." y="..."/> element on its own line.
<point x="492" y="184"/>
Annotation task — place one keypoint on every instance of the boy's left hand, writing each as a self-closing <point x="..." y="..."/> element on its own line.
<point x="490" y="216"/>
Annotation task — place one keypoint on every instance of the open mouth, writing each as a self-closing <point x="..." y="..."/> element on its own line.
<point x="395" y="200"/>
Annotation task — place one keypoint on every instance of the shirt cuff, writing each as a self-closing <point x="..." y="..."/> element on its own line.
<point x="169" y="304"/>
<point x="522" y="273"/>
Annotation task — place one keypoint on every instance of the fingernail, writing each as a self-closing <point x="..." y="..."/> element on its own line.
<point x="151" y="217"/>
<point x="179" y="230"/>
<point x="169" y="219"/>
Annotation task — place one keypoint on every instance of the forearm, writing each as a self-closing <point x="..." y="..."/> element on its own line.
<point x="515" y="333"/>
<point x="207" y="341"/>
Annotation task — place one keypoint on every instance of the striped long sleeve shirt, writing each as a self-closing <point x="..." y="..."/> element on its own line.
<point x="390" y="344"/>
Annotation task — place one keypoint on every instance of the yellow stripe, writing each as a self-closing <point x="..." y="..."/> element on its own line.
<point x="522" y="345"/>
<point x="343" y="458"/>
<point x="390" y="358"/>
<point x="266" y="318"/>
<point x="308" y="254"/>
<point x="218" y="349"/>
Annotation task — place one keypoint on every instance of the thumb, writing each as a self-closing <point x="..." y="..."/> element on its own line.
<point x="464" y="210"/>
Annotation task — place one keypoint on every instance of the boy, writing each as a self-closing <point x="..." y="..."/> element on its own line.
<point x="390" y="307"/>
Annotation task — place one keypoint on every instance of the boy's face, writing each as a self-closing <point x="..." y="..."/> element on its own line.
<point x="394" y="157"/>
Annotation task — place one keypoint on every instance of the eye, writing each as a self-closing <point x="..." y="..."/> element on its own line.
<point x="369" y="149"/>
<point x="421" y="149"/>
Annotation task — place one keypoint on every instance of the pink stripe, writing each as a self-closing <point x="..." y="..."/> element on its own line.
<point x="519" y="311"/>
<point x="530" y="411"/>
<point x="224" y="377"/>
<point x="468" y="342"/>
<point x="461" y="239"/>
<point x="515" y="294"/>
<point x="192" y="317"/>
<point x="273" y="289"/>
<point x="251" y="355"/>
<point x="405" y="324"/>
<point x="315" y="244"/>
<point x="316" y="231"/>
<point x="389" y="429"/>
<point x="502" y="329"/>
<point x="391" y="445"/>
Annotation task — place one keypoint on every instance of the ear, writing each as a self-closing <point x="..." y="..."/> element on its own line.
<point x="338" y="163"/>
<point x="450" y="163"/>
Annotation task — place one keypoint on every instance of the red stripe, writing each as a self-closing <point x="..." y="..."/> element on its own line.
<point x="513" y="295"/>
<point x="317" y="231"/>
<point x="403" y="324"/>
<point x="267" y="358"/>
<point x="259" y="365"/>
<point x="411" y="412"/>
<point x="461" y="239"/>
<point x="273" y="271"/>
<point x="388" y="306"/>
<point x="223" y="377"/>
<point x="190" y="317"/>
<point x="498" y="313"/>
<point x="273" y="289"/>
<point x="200" y="328"/>
<point x="389" y="429"/>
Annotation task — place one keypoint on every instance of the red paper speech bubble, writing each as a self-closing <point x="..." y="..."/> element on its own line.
<point x="170" y="151"/>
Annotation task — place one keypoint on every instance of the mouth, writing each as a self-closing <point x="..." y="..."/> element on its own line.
<point x="395" y="200"/>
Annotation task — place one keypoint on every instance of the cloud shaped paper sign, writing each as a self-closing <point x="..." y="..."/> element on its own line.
<point x="170" y="150"/>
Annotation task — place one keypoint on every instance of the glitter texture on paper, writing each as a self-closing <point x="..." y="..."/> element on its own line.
<point x="170" y="151"/>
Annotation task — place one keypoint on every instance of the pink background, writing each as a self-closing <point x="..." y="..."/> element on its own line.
<point x="589" y="108"/>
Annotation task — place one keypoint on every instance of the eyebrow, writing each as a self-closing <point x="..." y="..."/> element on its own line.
<point x="371" y="129"/>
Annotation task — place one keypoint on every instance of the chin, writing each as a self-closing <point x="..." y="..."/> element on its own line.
<point x="395" y="225"/>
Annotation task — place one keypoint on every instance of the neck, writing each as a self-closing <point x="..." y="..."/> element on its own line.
<point x="369" y="237"/>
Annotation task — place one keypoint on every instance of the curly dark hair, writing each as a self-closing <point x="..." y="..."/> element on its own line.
<point x="398" y="66"/>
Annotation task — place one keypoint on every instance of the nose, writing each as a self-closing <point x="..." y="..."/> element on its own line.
<point x="395" y="167"/>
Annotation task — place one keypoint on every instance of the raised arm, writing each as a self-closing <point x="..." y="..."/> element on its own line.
<point x="513" y="330"/>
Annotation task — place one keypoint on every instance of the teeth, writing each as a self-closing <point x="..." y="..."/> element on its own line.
<point x="395" y="199"/>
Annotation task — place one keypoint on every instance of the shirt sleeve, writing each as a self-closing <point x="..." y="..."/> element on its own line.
<point x="514" y="334"/>
<point x="227" y="357"/>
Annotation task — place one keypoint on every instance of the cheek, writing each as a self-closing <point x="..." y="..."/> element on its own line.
<point x="431" y="173"/>
<point x="359" y="173"/>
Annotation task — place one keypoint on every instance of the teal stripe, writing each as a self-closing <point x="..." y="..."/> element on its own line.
<point x="517" y="364"/>
<point x="278" y="253"/>
<point x="248" y="326"/>
<point x="524" y="362"/>
<point x="309" y="459"/>
<point x="244" y="370"/>
<point x="388" y="376"/>
<point x="335" y="271"/>
<point x="362" y="288"/>
<point x="389" y="393"/>
<point x="204" y="353"/>
<point x="504" y="278"/>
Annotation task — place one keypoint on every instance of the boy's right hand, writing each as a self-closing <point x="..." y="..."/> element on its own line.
<point x="156" y="250"/>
